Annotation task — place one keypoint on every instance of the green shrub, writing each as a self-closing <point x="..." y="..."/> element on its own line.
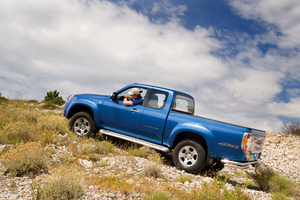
<point x="3" y="99"/>
<point x="94" y="157"/>
<point x="183" y="179"/>
<point x="32" y="101"/>
<point x="143" y="151"/>
<point x="63" y="189"/>
<point x="280" y="184"/>
<point x="262" y="176"/>
<point x="215" y="190"/>
<point x="19" y="131"/>
<point x="65" y="158"/>
<point x="271" y="181"/>
<point x="53" y="97"/>
<point x="53" y="123"/>
<point x="25" y="160"/>
<point x="152" y="169"/>
<point x="87" y="149"/>
<point x="103" y="147"/>
<point x="135" y="152"/>
<point x="50" y="106"/>
<point x="157" y="195"/>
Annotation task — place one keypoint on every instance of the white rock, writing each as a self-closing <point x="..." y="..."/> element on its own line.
<point x="85" y="163"/>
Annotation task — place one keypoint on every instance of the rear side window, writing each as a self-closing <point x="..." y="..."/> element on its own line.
<point x="157" y="99"/>
<point x="184" y="104"/>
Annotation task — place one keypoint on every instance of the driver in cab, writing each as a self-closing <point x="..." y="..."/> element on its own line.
<point x="134" y="97"/>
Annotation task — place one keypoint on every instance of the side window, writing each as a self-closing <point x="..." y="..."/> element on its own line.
<point x="184" y="104"/>
<point x="157" y="99"/>
<point x="124" y="92"/>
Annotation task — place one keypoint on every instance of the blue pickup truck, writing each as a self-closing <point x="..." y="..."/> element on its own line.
<point x="165" y="121"/>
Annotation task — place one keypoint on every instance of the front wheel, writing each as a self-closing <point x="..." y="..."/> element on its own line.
<point x="82" y="124"/>
<point x="189" y="155"/>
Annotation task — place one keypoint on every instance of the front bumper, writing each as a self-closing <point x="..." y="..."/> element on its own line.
<point x="240" y="165"/>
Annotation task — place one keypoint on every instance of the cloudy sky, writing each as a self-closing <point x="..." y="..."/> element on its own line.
<point x="238" y="58"/>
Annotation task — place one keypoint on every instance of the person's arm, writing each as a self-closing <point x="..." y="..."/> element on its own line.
<point x="127" y="102"/>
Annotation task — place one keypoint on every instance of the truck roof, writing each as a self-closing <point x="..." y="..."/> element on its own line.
<point x="157" y="87"/>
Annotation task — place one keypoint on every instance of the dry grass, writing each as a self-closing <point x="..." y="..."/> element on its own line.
<point x="63" y="189"/>
<point x="31" y="130"/>
<point x="25" y="160"/>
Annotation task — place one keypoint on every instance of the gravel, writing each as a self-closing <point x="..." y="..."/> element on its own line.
<point x="280" y="152"/>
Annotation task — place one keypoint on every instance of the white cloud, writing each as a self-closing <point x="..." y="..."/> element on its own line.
<point x="293" y="92"/>
<point x="99" y="47"/>
<point x="290" y="109"/>
<point x="168" y="8"/>
<point x="284" y="15"/>
<point x="99" y="44"/>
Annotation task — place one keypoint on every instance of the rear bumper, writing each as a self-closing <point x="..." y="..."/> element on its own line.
<point x="240" y="165"/>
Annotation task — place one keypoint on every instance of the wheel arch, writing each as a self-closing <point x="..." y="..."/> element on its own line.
<point x="80" y="108"/>
<point x="196" y="132"/>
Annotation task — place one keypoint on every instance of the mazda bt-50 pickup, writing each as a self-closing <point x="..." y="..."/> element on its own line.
<point x="165" y="121"/>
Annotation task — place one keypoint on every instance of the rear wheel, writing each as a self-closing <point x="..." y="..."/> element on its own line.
<point x="82" y="124"/>
<point x="189" y="155"/>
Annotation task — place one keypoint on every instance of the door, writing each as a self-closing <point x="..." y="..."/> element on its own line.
<point x="116" y="116"/>
<point x="154" y="117"/>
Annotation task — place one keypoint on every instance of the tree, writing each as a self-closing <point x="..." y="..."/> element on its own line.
<point x="292" y="129"/>
<point x="53" y="97"/>
<point x="3" y="99"/>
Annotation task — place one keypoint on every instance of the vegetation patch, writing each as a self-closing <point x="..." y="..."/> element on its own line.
<point x="17" y="132"/>
<point x="183" y="179"/>
<point x="143" y="151"/>
<point x="53" y="97"/>
<point x="157" y="195"/>
<point x="63" y="189"/>
<point x="25" y="160"/>
<point x="270" y="181"/>
<point x="3" y="99"/>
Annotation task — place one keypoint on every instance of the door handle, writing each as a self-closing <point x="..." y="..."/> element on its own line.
<point x="135" y="110"/>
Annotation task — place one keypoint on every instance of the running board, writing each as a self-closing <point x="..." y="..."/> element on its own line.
<point x="135" y="140"/>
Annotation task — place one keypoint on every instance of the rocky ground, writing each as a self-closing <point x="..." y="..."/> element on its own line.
<point x="281" y="153"/>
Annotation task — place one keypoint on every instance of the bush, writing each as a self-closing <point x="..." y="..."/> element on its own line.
<point x="25" y="160"/>
<point x="103" y="147"/>
<point x="157" y="195"/>
<point x="271" y="181"/>
<point x="262" y="176"/>
<point x="3" y="99"/>
<point x="143" y="151"/>
<point x="63" y="189"/>
<point x="17" y="132"/>
<point x="53" y="123"/>
<point x="292" y="129"/>
<point x="281" y="185"/>
<point x="152" y="169"/>
<point x="183" y="179"/>
<point x="54" y="98"/>
<point x="94" y="157"/>
<point x="87" y="149"/>
<point x="66" y="158"/>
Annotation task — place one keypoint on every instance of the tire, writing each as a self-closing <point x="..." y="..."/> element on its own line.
<point x="189" y="155"/>
<point x="82" y="124"/>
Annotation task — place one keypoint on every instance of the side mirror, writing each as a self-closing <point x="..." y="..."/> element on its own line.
<point x="113" y="96"/>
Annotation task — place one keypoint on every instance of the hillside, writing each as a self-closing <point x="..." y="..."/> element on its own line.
<point x="112" y="169"/>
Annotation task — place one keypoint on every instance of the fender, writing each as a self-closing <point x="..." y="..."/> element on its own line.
<point x="88" y="103"/>
<point x="198" y="129"/>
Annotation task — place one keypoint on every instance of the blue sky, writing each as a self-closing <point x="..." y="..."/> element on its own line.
<point x="238" y="58"/>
